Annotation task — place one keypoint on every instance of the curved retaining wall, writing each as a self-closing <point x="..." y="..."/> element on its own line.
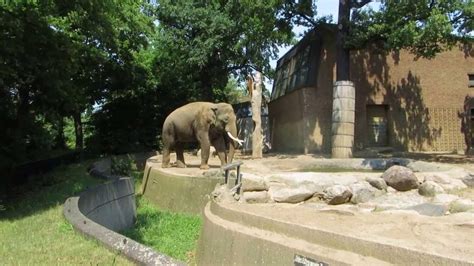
<point x="239" y="235"/>
<point x="100" y="212"/>
<point x="177" y="192"/>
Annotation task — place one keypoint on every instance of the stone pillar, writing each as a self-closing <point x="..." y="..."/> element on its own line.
<point x="343" y="118"/>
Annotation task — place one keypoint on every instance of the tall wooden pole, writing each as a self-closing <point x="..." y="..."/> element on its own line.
<point x="257" y="136"/>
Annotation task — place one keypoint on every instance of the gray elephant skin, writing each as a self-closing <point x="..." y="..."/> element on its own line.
<point x="203" y="122"/>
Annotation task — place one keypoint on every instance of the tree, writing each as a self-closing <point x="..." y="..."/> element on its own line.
<point x="424" y="27"/>
<point x="199" y="43"/>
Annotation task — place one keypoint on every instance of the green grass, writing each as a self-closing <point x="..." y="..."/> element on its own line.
<point x="170" y="233"/>
<point x="33" y="230"/>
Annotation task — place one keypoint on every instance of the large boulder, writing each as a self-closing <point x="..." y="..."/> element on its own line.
<point x="290" y="194"/>
<point x="255" y="197"/>
<point x="251" y="182"/>
<point x="377" y="183"/>
<point x="430" y="189"/>
<point x="447" y="182"/>
<point x="400" y="178"/>
<point x="337" y="194"/>
<point x="362" y="192"/>
<point x="461" y="205"/>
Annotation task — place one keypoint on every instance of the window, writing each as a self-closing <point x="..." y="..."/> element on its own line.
<point x="293" y="74"/>
<point x="471" y="79"/>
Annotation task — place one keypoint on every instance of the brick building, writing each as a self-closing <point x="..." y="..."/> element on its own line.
<point x="402" y="102"/>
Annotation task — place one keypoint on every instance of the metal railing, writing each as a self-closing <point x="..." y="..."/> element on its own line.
<point x="238" y="180"/>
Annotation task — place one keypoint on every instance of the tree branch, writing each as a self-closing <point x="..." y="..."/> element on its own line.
<point x="357" y="4"/>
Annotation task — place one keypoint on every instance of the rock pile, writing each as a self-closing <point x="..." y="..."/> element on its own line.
<point x="398" y="188"/>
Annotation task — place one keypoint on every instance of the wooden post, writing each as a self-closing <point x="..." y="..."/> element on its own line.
<point x="257" y="136"/>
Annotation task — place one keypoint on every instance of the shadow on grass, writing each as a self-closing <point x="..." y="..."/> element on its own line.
<point x="45" y="191"/>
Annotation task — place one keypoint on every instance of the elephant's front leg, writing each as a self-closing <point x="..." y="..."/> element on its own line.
<point x="203" y="139"/>
<point x="219" y="144"/>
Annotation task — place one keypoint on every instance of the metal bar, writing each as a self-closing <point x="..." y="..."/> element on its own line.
<point x="231" y="165"/>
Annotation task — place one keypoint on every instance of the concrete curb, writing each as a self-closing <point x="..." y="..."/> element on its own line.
<point x="103" y="210"/>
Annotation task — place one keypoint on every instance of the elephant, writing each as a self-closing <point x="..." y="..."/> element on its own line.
<point x="203" y="122"/>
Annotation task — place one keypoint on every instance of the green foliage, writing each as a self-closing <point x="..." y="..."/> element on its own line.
<point x="122" y="165"/>
<point x="171" y="233"/>
<point x="198" y="44"/>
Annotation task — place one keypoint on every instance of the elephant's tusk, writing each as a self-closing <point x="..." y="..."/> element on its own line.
<point x="234" y="138"/>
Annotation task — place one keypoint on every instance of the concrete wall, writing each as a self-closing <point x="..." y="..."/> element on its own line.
<point x="423" y="97"/>
<point x="175" y="192"/>
<point x="102" y="211"/>
<point x="111" y="205"/>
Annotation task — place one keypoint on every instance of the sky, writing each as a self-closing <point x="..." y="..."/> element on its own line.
<point x="324" y="8"/>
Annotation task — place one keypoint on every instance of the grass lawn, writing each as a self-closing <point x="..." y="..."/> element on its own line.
<point x="33" y="230"/>
<point x="170" y="233"/>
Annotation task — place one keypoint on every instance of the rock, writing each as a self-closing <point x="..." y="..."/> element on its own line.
<point x="255" y="197"/>
<point x="444" y="198"/>
<point x="391" y="190"/>
<point x="468" y="180"/>
<point x="290" y="194"/>
<point x="377" y="183"/>
<point x="445" y="181"/>
<point x="430" y="189"/>
<point x="222" y="194"/>
<point x="398" y="200"/>
<point x="251" y="182"/>
<point x="362" y="192"/>
<point x="461" y="205"/>
<point x="400" y="178"/>
<point x="430" y="209"/>
<point x="337" y="194"/>
<point x="316" y="181"/>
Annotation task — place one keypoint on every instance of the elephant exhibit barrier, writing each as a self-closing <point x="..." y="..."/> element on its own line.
<point x="238" y="179"/>
<point x="102" y="211"/>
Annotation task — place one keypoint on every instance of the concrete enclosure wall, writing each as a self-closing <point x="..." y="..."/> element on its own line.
<point x="111" y="205"/>
<point x="177" y="193"/>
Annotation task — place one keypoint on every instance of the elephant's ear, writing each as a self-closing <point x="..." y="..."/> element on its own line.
<point x="212" y="116"/>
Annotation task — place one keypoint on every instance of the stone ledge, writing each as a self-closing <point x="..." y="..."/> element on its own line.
<point x="265" y="234"/>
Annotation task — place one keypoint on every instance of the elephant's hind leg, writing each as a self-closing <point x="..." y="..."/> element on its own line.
<point x="180" y="156"/>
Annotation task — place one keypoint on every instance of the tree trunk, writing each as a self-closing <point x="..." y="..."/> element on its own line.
<point x="342" y="53"/>
<point x="78" y="130"/>
<point x="342" y="137"/>
<point x="257" y="137"/>
<point x="60" y="140"/>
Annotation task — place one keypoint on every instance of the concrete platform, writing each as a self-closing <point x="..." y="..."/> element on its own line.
<point x="287" y="234"/>
<point x="184" y="190"/>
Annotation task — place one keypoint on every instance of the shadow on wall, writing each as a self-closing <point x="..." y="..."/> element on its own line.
<point x="467" y="49"/>
<point x="408" y="118"/>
